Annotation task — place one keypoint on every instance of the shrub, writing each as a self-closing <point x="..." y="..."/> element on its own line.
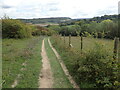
<point x="42" y="31"/>
<point x="94" y="34"/>
<point x="15" y="29"/>
<point x="36" y="33"/>
<point x="100" y="35"/>
<point x="86" y="34"/>
<point x="95" y="68"/>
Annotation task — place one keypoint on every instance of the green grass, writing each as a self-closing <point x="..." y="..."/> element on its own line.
<point x="15" y="52"/>
<point x="73" y="59"/>
<point x="11" y="61"/>
<point x="31" y="74"/>
<point x="89" y="43"/>
<point x="60" y="79"/>
<point x="119" y="52"/>
<point x="0" y="62"/>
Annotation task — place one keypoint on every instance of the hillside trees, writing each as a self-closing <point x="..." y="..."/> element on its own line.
<point x="104" y="29"/>
<point x="12" y="28"/>
<point x="42" y="31"/>
<point x="15" y="29"/>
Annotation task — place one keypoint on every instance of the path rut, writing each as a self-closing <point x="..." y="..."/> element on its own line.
<point x="64" y="67"/>
<point x="46" y="78"/>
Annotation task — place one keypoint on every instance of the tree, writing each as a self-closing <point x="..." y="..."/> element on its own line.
<point x="15" y="29"/>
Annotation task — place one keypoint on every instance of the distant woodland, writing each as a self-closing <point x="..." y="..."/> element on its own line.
<point x="68" y="20"/>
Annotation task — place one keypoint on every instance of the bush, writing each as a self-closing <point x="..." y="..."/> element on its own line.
<point x="95" y="68"/>
<point x="42" y="31"/>
<point x="15" y="29"/>
<point x="94" y="34"/>
<point x="86" y="34"/>
<point x="100" y="35"/>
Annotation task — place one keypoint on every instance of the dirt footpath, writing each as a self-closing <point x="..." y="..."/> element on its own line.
<point x="46" y="78"/>
<point x="64" y="67"/>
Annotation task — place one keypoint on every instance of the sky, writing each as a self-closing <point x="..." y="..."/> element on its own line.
<point x="57" y="8"/>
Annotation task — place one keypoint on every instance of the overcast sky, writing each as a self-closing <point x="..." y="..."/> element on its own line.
<point x="57" y="8"/>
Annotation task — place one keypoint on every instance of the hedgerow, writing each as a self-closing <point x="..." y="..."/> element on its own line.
<point x="15" y="29"/>
<point x="95" y="68"/>
<point x="42" y="31"/>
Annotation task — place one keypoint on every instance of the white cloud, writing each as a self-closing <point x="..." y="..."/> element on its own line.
<point x="59" y="8"/>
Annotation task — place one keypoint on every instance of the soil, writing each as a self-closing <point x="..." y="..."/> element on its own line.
<point x="64" y="67"/>
<point x="46" y="78"/>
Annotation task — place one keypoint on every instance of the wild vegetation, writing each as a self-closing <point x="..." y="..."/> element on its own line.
<point x="105" y="29"/>
<point x="42" y="31"/>
<point x="16" y="29"/>
<point x="60" y="80"/>
<point x="66" y="20"/>
<point x="46" y="20"/>
<point x="94" y="67"/>
<point x="19" y="58"/>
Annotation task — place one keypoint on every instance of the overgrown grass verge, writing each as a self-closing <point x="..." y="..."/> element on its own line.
<point x="93" y="69"/>
<point x="15" y="53"/>
<point x="60" y="79"/>
<point x="31" y="73"/>
<point x="11" y="59"/>
<point x="0" y="63"/>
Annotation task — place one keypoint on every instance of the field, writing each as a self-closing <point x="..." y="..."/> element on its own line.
<point x="19" y="57"/>
<point x="52" y="49"/>
<point x="89" y="43"/>
<point x="94" y="67"/>
<point x="22" y="62"/>
<point x="0" y="62"/>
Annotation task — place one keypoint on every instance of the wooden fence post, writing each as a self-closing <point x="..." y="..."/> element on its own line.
<point x="60" y="36"/>
<point x="64" y="39"/>
<point x="81" y="44"/>
<point x="116" y="48"/>
<point x="70" y="40"/>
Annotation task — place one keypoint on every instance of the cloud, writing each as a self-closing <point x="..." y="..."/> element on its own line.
<point x="108" y="10"/>
<point x="119" y="7"/>
<point x="53" y="9"/>
<point x="6" y="6"/>
<point x="59" y="8"/>
<point x="53" y="3"/>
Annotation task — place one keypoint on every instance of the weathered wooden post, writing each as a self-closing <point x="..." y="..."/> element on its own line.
<point x="60" y="36"/>
<point x="64" y="39"/>
<point x="81" y="44"/>
<point x="116" y="48"/>
<point x="119" y="51"/>
<point x="70" y="40"/>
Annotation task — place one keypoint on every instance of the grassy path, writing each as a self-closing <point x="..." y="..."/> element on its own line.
<point x="63" y="66"/>
<point x="46" y="78"/>
<point x="60" y="80"/>
<point x="22" y="63"/>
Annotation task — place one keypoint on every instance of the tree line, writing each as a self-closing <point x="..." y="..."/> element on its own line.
<point x="105" y="29"/>
<point x="12" y="28"/>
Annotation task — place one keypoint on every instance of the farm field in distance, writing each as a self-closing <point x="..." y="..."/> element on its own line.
<point x="89" y="43"/>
